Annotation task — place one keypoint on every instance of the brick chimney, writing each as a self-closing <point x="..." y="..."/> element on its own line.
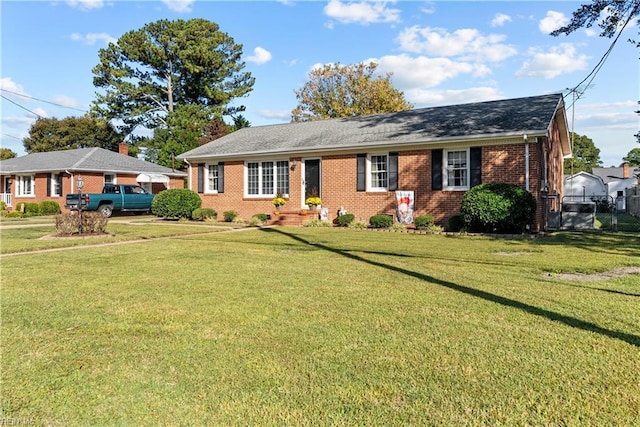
<point x="625" y="170"/>
<point x="123" y="148"/>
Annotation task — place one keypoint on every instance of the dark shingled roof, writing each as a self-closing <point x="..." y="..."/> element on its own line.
<point x="83" y="159"/>
<point x="503" y="118"/>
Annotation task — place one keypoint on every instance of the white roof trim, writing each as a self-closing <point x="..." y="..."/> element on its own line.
<point x="152" y="177"/>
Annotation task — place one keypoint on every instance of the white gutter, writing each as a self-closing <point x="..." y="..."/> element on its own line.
<point x="72" y="180"/>
<point x="526" y="162"/>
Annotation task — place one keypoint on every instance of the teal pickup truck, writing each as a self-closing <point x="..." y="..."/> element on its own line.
<point x="114" y="197"/>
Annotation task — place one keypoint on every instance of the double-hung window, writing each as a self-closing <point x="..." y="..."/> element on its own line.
<point x="25" y="185"/>
<point x="56" y="184"/>
<point x="378" y="172"/>
<point x="456" y="170"/>
<point x="213" y="179"/>
<point x="267" y="178"/>
<point x="109" y="178"/>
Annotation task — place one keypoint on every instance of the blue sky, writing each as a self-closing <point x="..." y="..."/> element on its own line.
<point x="440" y="53"/>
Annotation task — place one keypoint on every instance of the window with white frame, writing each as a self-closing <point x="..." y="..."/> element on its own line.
<point x="25" y="185"/>
<point x="378" y="172"/>
<point x="267" y="178"/>
<point x="456" y="171"/>
<point x="212" y="179"/>
<point x="109" y="178"/>
<point x="56" y="184"/>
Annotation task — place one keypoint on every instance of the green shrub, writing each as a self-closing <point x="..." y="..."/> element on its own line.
<point x="229" y="216"/>
<point x="455" y="223"/>
<point x="345" y="220"/>
<point x="381" y="221"/>
<point x="202" y="214"/>
<point x="3" y="206"/>
<point x="259" y="219"/>
<point x="175" y="203"/>
<point x="497" y="207"/>
<point x="317" y="223"/>
<point x="50" y="207"/>
<point x="423" y="222"/>
<point x="32" y="209"/>
<point x="15" y="214"/>
<point x="396" y="226"/>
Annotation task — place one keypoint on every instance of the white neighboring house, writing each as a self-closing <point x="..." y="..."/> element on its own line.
<point x="582" y="186"/>
<point x="618" y="180"/>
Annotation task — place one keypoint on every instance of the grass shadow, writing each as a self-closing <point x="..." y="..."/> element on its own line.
<point x="487" y="296"/>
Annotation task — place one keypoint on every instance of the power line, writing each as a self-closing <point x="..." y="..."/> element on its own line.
<point x="18" y="105"/>
<point x="42" y="100"/>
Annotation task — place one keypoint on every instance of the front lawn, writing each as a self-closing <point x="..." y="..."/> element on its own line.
<point x="308" y="326"/>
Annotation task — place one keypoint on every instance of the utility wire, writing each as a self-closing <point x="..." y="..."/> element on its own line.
<point x="18" y="105"/>
<point x="42" y="100"/>
<point x="592" y="75"/>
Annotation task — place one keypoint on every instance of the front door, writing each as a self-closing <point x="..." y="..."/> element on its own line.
<point x="311" y="178"/>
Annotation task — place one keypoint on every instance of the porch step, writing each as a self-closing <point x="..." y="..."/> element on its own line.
<point x="292" y="218"/>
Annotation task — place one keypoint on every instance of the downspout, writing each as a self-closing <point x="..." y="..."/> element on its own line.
<point x="526" y="162"/>
<point x="72" y="180"/>
<point x="189" y="175"/>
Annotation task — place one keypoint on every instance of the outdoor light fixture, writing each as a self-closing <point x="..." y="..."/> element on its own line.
<point x="294" y="163"/>
<point x="80" y="183"/>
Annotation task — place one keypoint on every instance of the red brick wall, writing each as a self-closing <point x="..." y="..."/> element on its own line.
<point x="500" y="163"/>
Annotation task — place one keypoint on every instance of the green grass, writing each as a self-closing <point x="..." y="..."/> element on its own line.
<point x="306" y="326"/>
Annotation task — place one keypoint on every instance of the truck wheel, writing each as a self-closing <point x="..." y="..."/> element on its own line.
<point x="105" y="210"/>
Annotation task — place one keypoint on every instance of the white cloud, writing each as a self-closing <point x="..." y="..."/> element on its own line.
<point x="428" y="8"/>
<point x="6" y="83"/>
<point x="65" y="101"/>
<point x="180" y="6"/>
<point x="275" y="114"/>
<point x="260" y="56"/>
<point x="500" y="19"/>
<point x="363" y="12"/>
<point x="40" y="112"/>
<point x="90" y="39"/>
<point x="421" y="72"/>
<point x="552" y="22"/>
<point x="427" y="98"/>
<point x="562" y="59"/>
<point x="467" y="43"/>
<point x="85" y="5"/>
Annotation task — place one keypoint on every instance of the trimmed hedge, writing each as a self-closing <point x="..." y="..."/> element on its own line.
<point x="455" y="223"/>
<point x="229" y="216"/>
<point x="202" y="214"/>
<point x="175" y="203"/>
<point x="50" y="207"/>
<point x="381" y="221"/>
<point x="497" y="208"/>
<point x="423" y="222"/>
<point x="345" y="220"/>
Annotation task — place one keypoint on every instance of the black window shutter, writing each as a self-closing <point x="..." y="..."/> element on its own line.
<point x="393" y="171"/>
<point x="436" y="169"/>
<point x="201" y="178"/>
<point x="221" y="177"/>
<point x="362" y="167"/>
<point x="49" y="176"/>
<point x="475" y="155"/>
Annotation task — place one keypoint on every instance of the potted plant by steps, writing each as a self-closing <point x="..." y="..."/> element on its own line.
<point x="313" y="201"/>
<point x="278" y="202"/>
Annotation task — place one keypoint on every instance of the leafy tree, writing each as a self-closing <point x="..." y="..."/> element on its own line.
<point x="585" y="157"/>
<point x="52" y="134"/>
<point x="633" y="157"/>
<point x="7" y="153"/>
<point x="347" y="90"/>
<point x="609" y="15"/>
<point x="150" y="71"/>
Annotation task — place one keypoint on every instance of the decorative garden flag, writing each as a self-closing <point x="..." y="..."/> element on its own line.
<point x="404" y="207"/>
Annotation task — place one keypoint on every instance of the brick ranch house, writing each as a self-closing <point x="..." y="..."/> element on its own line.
<point x="357" y="163"/>
<point x="52" y="175"/>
